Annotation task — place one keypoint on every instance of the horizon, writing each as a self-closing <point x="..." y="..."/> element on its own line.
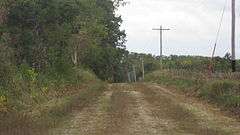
<point x="179" y="55"/>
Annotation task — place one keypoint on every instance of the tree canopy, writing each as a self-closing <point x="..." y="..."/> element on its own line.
<point x="52" y="35"/>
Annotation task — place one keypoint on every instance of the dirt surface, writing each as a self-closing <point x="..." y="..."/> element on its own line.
<point x="146" y="109"/>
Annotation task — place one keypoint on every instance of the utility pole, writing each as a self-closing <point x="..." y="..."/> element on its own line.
<point x="233" y="36"/>
<point x="134" y="74"/>
<point x="129" y="77"/>
<point x="161" y="29"/>
<point x="143" y="70"/>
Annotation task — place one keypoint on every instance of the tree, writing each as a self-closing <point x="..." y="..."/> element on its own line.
<point x="50" y="34"/>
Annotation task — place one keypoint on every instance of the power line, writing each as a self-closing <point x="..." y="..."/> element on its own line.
<point x="221" y="21"/>
<point x="219" y="28"/>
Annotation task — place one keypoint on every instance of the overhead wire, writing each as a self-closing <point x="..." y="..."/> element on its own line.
<point x="219" y="28"/>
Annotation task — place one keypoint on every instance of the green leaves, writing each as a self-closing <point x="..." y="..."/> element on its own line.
<point x="60" y="34"/>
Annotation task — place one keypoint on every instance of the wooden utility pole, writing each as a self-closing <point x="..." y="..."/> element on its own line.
<point x="233" y="36"/>
<point x="129" y="77"/>
<point x="161" y="29"/>
<point x="134" y="74"/>
<point x="143" y="70"/>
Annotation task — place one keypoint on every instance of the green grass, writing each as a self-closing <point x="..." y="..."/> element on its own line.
<point x="182" y="83"/>
<point x="225" y="93"/>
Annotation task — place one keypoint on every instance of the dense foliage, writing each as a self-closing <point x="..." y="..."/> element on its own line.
<point x="52" y="36"/>
<point x="49" y="43"/>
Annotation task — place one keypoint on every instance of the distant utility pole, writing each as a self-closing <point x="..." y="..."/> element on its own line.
<point x="143" y="70"/>
<point x="129" y="77"/>
<point x="161" y="29"/>
<point x="233" y="36"/>
<point x="134" y="74"/>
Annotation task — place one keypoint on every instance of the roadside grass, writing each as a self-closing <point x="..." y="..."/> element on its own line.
<point x="35" y="111"/>
<point x="223" y="92"/>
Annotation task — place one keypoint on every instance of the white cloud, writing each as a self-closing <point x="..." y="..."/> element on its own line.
<point x="193" y="22"/>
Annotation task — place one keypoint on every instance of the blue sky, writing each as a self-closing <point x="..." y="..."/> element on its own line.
<point x="193" y="25"/>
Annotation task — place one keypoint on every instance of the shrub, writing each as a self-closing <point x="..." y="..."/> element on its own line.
<point x="225" y="92"/>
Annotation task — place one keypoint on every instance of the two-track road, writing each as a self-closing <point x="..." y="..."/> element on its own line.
<point x="146" y="109"/>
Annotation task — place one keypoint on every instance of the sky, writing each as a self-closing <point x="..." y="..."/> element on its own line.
<point x="193" y="24"/>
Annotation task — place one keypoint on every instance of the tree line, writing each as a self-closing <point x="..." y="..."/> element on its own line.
<point x="53" y="37"/>
<point x="198" y="64"/>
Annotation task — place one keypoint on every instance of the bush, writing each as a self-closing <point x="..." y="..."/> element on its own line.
<point x="224" y="92"/>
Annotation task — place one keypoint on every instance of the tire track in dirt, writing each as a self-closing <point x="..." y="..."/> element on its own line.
<point x="206" y="114"/>
<point x="148" y="123"/>
<point x="89" y="121"/>
<point x="175" y="107"/>
<point x="129" y="116"/>
<point x="134" y="116"/>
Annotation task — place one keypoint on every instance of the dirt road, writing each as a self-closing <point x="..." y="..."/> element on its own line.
<point x="146" y="109"/>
